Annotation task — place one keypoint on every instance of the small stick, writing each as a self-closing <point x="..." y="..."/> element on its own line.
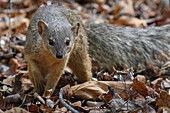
<point x="64" y="103"/>
<point x="9" y="27"/>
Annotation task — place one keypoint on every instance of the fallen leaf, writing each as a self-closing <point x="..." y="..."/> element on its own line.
<point x="17" y="62"/>
<point x="68" y="93"/>
<point x="17" y="110"/>
<point x="151" y="92"/>
<point x="140" y="88"/>
<point x="163" y="109"/>
<point x="33" y="108"/>
<point x="26" y="84"/>
<point x="92" y="89"/>
<point x="18" y="48"/>
<point x="131" y="21"/>
<point x="141" y="78"/>
<point x="140" y="97"/>
<point x="46" y="109"/>
<point x="163" y="99"/>
<point x="127" y="7"/>
<point x="117" y="104"/>
<point x="10" y="71"/>
<point x="19" y="36"/>
<point x="157" y="81"/>
<point x="2" y="102"/>
<point x="9" y="80"/>
<point x="13" y="99"/>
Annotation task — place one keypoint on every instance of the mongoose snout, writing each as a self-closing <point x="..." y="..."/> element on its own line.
<point x="59" y="55"/>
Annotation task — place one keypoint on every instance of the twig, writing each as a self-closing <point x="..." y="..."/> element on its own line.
<point x="9" y="28"/>
<point x="64" y="103"/>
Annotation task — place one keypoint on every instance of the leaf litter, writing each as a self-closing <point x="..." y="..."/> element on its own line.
<point x="122" y="90"/>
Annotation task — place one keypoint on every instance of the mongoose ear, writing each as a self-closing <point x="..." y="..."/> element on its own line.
<point x="41" y="27"/>
<point x="75" y="29"/>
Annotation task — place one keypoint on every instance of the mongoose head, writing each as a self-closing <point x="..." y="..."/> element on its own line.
<point x="59" y="39"/>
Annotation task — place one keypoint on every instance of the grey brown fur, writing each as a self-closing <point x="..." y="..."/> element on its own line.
<point x="131" y="47"/>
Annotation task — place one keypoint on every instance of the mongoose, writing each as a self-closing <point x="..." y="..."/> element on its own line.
<point x="56" y="38"/>
<point x="128" y="47"/>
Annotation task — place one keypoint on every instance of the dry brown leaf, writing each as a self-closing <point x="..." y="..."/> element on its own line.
<point x="117" y="104"/>
<point x="33" y="108"/>
<point x="61" y="110"/>
<point x="107" y="97"/>
<point x="97" y="1"/>
<point x="17" y="110"/>
<point x="163" y="109"/>
<point x="122" y="96"/>
<point x="19" y="36"/>
<point x="18" y="48"/>
<point x="13" y="99"/>
<point x="9" y="80"/>
<point x="92" y="89"/>
<point x="131" y="21"/>
<point x="3" y="23"/>
<point x="17" y="21"/>
<point x="26" y="84"/>
<point x="104" y="8"/>
<point x="117" y="10"/>
<point x="17" y="86"/>
<point x="140" y="88"/>
<point x="68" y="93"/>
<point x="148" y="12"/>
<point x="1" y="111"/>
<point x="166" y="84"/>
<point x="48" y="93"/>
<point x="157" y="81"/>
<point x="127" y="7"/>
<point x="45" y="108"/>
<point x="17" y="62"/>
<point x="151" y="92"/>
<point x="4" y="43"/>
<point x="163" y="99"/>
<point x="77" y="103"/>
<point x="140" y="97"/>
<point x="23" y="27"/>
<point x="141" y="78"/>
<point x="10" y="71"/>
<point x="2" y="102"/>
<point x="106" y="76"/>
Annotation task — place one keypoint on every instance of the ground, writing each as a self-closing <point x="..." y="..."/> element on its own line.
<point x="119" y="90"/>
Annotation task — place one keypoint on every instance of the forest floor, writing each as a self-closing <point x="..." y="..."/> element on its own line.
<point x="122" y="90"/>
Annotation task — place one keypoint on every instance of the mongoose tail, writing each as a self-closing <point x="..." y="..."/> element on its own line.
<point x="129" y="47"/>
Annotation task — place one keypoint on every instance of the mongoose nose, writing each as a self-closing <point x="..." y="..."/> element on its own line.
<point x="59" y="55"/>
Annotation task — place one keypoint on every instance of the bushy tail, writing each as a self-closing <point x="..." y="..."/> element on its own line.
<point x="129" y="47"/>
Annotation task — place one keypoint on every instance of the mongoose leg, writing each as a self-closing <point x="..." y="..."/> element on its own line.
<point x="36" y="77"/>
<point x="54" y="75"/>
<point x="80" y="64"/>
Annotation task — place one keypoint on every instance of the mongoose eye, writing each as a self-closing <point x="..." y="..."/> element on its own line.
<point x="51" y="42"/>
<point x="67" y="42"/>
